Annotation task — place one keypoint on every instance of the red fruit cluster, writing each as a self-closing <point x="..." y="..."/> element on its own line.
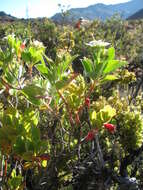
<point x="91" y="135"/>
<point x="87" y="102"/>
<point x="110" y="127"/>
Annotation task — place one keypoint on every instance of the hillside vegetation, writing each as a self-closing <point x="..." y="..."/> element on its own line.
<point x="71" y="105"/>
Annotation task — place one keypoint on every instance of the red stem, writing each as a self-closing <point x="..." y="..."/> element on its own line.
<point x="5" y="168"/>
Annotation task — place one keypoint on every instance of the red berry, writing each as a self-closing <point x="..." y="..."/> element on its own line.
<point x="110" y="127"/>
<point x="91" y="135"/>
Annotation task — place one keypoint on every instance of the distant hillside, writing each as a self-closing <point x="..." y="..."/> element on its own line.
<point x="6" y="18"/>
<point x="137" y="15"/>
<point x="102" y="11"/>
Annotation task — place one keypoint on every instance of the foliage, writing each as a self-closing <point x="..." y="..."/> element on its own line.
<point x="59" y="130"/>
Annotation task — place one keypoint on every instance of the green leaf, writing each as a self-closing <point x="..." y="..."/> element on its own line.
<point x="8" y="133"/>
<point x="107" y="113"/>
<point x="43" y="69"/>
<point x="111" y="53"/>
<point x="44" y="163"/>
<point x="87" y="64"/>
<point x="30" y="118"/>
<point x="113" y="65"/>
<point x="99" y="69"/>
<point x="35" y="132"/>
<point x="15" y="182"/>
<point x="109" y="78"/>
<point x="36" y="55"/>
<point x="62" y="83"/>
<point x="67" y="60"/>
<point x="93" y="115"/>
<point x="46" y="72"/>
<point x="49" y="61"/>
<point x="11" y="77"/>
<point x="2" y="56"/>
<point x="30" y="147"/>
<point x="34" y="94"/>
<point x="10" y="117"/>
<point x="26" y="56"/>
<point x="19" y="146"/>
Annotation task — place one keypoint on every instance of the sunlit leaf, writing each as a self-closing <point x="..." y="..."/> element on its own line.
<point x="107" y="113"/>
<point x="93" y="115"/>
<point x="109" y="78"/>
<point x="113" y="65"/>
<point x="111" y="53"/>
<point x="44" y="163"/>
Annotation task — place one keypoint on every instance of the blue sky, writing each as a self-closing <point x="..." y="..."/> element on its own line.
<point x="40" y="8"/>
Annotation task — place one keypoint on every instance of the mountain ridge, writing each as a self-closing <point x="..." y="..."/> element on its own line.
<point x="137" y="15"/>
<point x="102" y="11"/>
<point x="6" y="17"/>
